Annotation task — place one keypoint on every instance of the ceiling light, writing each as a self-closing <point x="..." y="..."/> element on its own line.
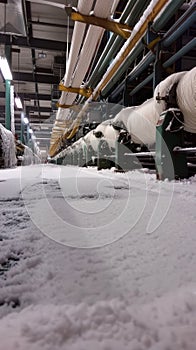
<point x="26" y="121"/>
<point x="18" y="103"/>
<point x="42" y="54"/>
<point x="5" y="69"/>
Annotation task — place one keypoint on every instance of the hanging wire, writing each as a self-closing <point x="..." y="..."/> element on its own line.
<point x="67" y="46"/>
<point x="18" y="72"/>
<point x="5" y="14"/>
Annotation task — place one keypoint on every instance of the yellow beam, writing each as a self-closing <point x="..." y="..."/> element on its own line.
<point x="75" y="107"/>
<point x="119" y="28"/>
<point x="84" y="91"/>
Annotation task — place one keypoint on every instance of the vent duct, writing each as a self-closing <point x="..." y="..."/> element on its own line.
<point x="12" y="18"/>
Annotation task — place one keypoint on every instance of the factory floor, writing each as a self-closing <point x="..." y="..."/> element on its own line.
<point x="100" y="260"/>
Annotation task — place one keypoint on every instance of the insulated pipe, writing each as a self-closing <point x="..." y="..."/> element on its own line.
<point x="140" y="28"/>
<point x="77" y="38"/>
<point x="143" y="64"/>
<point x="132" y="15"/>
<point x="141" y="85"/>
<point x="153" y="10"/>
<point x="110" y="47"/>
<point x="188" y="47"/>
<point x="101" y="9"/>
<point x="184" y="23"/>
<point x="157" y="25"/>
<point x="78" y="72"/>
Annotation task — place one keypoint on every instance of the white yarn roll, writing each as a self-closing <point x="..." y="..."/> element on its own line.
<point x="140" y="122"/>
<point x="163" y="89"/>
<point x="186" y="98"/>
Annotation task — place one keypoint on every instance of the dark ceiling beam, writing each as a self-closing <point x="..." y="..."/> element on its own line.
<point x="36" y="109"/>
<point x="36" y="43"/>
<point x="43" y="70"/>
<point x="56" y="25"/>
<point x="36" y="119"/>
<point x="31" y="109"/>
<point x="28" y="96"/>
<point x="41" y="78"/>
<point x="30" y="36"/>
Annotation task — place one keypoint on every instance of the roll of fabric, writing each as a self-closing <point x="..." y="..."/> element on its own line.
<point x="186" y="99"/>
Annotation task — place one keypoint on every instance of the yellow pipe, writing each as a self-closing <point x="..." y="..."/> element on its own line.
<point x="75" y="107"/>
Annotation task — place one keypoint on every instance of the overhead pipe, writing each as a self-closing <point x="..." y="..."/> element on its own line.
<point x="142" y="65"/>
<point x="158" y="24"/>
<point x="129" y="45"/>
<point x="180" y="26"/>
<point x="176" y="31"/>
<point x="188" y="47"/>
<point x="182" y="52"/>
<point x="78" y="72"/>
<point x="126" y="50"/>
<point x="129" y="16"/>
<point x="109" y="46"/>
<point x="141" y="85"/>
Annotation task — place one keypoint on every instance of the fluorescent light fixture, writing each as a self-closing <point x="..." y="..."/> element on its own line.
<point x="42" y="54"/>
<point x="18" y="103"/>
<point x="30" y="131"/>
<point x="5" y="69"/>
<point x="26" y="121"/>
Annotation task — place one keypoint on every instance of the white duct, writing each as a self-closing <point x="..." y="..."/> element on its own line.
<point x="84" y="7"/>
<point x="14" y="22"/>
<point x="79" y="62"/>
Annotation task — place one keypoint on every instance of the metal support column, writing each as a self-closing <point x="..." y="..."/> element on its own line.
<point x="22" y="128"/>
<point x="7" y="92"/>
<point x="158" y="73"/>
<point x="7" y="105"/>
<point x="169" y="134"/>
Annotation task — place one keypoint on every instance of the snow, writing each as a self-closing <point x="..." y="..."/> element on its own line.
<point x="127" y="279"/>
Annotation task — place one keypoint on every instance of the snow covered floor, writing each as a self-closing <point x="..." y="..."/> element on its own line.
<point x="102" y="261"/>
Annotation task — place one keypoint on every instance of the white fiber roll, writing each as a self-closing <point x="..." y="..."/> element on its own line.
<point x="186" y="99"/>
<point x="109" y="133"/>
<point x="140" y="122"/>
<point x="163" y="88"/>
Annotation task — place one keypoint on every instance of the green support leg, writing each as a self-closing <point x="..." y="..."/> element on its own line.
<point x="7" y="105"/>
<point x="169" y="165"/>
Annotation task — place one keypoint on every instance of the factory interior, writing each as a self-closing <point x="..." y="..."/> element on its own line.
<point x="97" y="174"/>
<point x="74" y="74"/>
